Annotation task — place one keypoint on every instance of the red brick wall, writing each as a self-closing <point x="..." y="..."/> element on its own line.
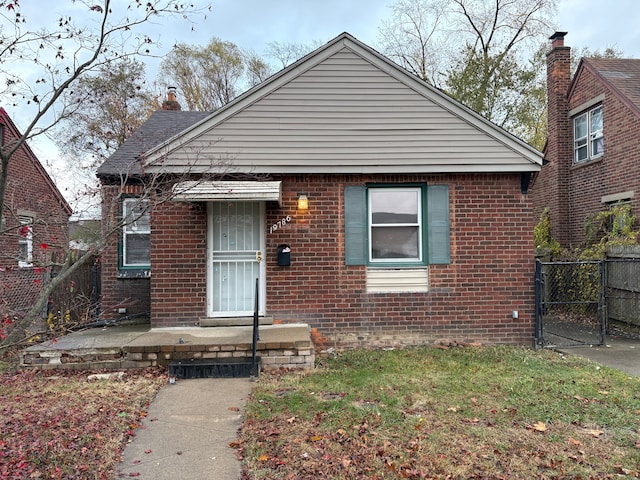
<point x="617" y="170"/>
<point x="472" y="299"/>
<point x="551" y="184"/>
<point x="29" y="191"/>
<point x="178" y="264"/>
<point x="132" y="294"/>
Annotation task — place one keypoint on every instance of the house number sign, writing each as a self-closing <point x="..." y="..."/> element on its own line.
<point x="280" y="223"/>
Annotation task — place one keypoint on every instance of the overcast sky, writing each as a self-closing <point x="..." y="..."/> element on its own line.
<point x="252" y="24"/>
<point x="596" y="24"/>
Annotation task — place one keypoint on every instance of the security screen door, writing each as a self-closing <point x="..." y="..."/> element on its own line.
<point x="236" y="250"/>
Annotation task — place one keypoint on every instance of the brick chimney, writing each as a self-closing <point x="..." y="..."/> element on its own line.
<point x="171" y="103"/>
<point x="559" y="151"/>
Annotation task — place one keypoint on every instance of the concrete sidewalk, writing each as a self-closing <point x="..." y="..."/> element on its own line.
<point x="187" y="432"/>
<point x="619" y="353"/>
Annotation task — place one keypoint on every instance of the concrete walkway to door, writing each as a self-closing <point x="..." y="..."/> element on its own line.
<point x="619" y="353"/>
<point x="187" y="432"/>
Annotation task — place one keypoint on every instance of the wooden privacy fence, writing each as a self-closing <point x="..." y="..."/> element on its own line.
<point x="77" y="301"/>
<point x="623" y="284"/>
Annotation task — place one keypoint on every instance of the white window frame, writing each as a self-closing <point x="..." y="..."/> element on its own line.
<point x="592" y="137"/>
<point x="26" y="241"/>
<point x="419" y="224"/>
<point x="134" y="228"/>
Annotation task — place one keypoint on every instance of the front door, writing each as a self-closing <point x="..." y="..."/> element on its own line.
<point x="236" y="258"/>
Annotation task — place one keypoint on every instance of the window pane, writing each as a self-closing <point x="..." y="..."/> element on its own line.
<point x="23" y="252"/>
<point x="580" y="127"/>
<point x="137" y="249"/>
<point x="137" y="218"/>
<point x="596" y="120"/>
<point x="395" y="242"/>
<point x="597" y="146"/>
<point x="389" y="206"/>
<point x="581" y="154"/>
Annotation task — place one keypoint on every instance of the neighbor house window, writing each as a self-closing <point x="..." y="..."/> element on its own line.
<point x="136" y="233"/>
<point x="397" y="226"/>
<point x="588" y="140"/>
<point x="25" y="241"/>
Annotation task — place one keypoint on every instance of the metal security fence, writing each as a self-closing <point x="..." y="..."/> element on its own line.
<point x="570" y="304"/>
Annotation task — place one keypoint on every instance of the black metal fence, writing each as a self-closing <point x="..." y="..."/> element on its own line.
<point x="580" y="303"/>
<point x="570" y="304"/>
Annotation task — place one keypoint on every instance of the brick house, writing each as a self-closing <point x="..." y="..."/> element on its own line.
<point x="593" y="146"/>
<point x="34" y="225"/>
<point x="367" y="203"/>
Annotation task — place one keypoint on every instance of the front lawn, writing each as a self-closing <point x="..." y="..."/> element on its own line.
<point x="487" y="412"/>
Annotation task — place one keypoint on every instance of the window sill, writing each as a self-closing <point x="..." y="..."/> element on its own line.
<point x="134" y="273"/>
<point x="586" y="163"/>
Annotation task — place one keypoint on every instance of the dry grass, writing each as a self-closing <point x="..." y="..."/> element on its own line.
<point x="491" y="413"/>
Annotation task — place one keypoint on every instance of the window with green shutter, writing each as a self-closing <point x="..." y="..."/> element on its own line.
<point x="397" y="225"/>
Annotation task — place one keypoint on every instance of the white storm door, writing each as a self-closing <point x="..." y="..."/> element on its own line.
<point x="236" y="251"/>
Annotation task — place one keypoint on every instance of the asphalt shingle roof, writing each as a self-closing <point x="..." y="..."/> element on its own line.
<point x="161" y="125"/>
<point x="622" y="74"/>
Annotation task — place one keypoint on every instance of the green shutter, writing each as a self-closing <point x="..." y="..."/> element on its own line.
<point x="438" y="224"/>
<point x="355" y="225"/>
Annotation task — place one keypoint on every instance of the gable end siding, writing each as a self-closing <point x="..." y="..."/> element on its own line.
<point x="346" y="113"/>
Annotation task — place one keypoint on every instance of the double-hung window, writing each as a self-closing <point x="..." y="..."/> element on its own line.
<point x="588" y="139"/>
<point x="396" y="226"/>
<point x="136" y="234"/>
<point x="25" y="241"/>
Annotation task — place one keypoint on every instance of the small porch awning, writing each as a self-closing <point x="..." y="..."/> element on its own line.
<point x="206" y="191"/>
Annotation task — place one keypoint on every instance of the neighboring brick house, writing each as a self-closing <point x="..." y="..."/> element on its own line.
<point x="34" y="225"/>
<point x="593" y="146"/>
<point x="367" y="203"/>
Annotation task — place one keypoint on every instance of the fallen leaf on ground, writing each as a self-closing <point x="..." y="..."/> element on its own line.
<point x="538" y="427"/>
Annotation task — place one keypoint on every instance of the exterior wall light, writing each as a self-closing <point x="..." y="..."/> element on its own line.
<point x="303" y="203"/>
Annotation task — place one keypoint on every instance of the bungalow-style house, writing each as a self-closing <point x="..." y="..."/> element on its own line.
<point x="357" y="198"/>
<point x="593" y="146"/>
<point x="33" y="226"/>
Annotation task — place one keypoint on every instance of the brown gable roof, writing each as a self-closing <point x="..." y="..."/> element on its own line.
<point x="621" y="75"/>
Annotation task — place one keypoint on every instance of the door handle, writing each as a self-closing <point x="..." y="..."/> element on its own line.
<point x="258" y="256"/>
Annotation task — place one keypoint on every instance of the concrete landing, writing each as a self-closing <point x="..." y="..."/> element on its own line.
<point x="139" y="346"/>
